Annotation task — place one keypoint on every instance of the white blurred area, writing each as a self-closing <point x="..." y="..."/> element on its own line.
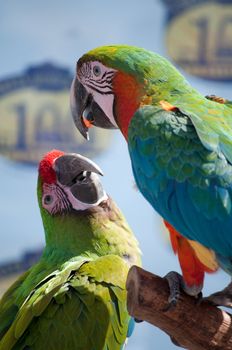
<point x="60" y="32"/>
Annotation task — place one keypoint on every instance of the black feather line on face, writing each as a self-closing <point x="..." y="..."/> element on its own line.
<point x="61" y="203"/>
<point x="100" y="91"/>
<point x="98" y="84"/>
<point x="65" y="206"/>
<point x="85" y="70"/>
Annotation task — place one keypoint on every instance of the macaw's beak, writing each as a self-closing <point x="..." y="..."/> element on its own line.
<point x="80" y="175"/>
<point x="85" y="111"/>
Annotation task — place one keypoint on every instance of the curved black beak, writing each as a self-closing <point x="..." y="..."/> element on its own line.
<point x="80" y="174"/>
<point x="69" y="166"/>
<point x="85" y="111"/>
<point x="78" y="101"/>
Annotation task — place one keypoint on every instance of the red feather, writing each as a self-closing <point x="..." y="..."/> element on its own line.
<point x="128" y="94"/>
<point x="46" y="171"/>
<point x="192" y="269"/>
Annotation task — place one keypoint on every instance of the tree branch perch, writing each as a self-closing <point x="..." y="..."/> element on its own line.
<point x="195" y="327"/>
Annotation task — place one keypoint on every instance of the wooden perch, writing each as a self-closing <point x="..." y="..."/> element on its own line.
<point x="195" y="327"/>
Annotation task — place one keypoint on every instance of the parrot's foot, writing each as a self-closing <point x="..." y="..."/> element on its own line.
<point x="175" y="281"/>
<point x="176" y="284"/>
<point x="222" y="298"/>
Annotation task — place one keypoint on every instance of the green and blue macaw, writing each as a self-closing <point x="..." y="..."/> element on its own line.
<point x="75" y="296"/>
<point x="180" y="142"/>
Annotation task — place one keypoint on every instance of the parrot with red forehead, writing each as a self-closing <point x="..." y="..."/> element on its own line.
<point x="179" y="142"/>
<point x="75" y="296"/>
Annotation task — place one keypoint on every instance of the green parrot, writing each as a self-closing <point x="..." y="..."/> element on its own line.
<point x="75" y="296"/>
<point x="180" y="144"/>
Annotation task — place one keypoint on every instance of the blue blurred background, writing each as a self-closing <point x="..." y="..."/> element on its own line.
<point x="32" y="33"/>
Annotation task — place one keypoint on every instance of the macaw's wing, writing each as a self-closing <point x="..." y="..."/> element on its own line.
<point x="31" y="310"/>
<point x="189" y="185"/>
<point x="71" y="309"/>
<point x="194" y="258"/>
<point x="212" y="121"/>
<point x="110" y="274"/>
<point x="8" y="307"/>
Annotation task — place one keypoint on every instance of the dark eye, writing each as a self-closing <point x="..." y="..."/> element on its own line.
<point x="82" y="176"/>
<point x="48" y="199"/>
<point x="96" y="71"/>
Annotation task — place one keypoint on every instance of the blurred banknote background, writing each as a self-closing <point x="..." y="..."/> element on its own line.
<point x="40" y="44"/>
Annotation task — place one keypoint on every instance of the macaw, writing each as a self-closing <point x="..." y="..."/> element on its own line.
<point x="75" y="296"/>
<point x="179" y="141"/>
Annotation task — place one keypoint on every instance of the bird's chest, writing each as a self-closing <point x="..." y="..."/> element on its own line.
<point x="150" y="175"/>
<point x="157" y="144"/>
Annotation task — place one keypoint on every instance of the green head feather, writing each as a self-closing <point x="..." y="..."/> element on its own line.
<point x="146" y="66"/>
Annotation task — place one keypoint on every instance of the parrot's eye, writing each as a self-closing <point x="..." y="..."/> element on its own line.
<point x="96" y="71"/>
<point x="82" y="176"/>
<point x="48" y="199"/>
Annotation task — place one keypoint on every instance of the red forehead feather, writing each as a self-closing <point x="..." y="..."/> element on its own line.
<point x="46" y="171"/>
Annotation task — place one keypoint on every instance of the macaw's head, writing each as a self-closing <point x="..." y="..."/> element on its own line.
<point x="71" y="198"/>
<point x="68" y="182"/>
<point x="78" y="216"/>
<point x="112" y="82"/>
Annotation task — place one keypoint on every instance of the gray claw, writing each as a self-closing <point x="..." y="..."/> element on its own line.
<point x="176" y="284"/>
<point x="221" y="298"/>
<point x="137" y="320"/>
<point x="199" y="298"/>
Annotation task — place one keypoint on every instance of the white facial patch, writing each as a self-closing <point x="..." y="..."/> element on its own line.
<point x="78" y="205"/>
<point x="106" y="103"/>
<point x="97" y="80"/>
<point x="58" y="199"/>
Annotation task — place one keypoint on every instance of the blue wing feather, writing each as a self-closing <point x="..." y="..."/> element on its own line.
<point x="189" y="185"/>
<point x="131" y="327"/>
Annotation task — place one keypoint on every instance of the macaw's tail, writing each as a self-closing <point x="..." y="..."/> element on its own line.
<point x="194" y="258"/>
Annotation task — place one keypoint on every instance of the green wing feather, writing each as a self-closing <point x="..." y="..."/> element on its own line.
<point x="212" y="121"/>
<point x="83" y="299"/>
<point x="8" y="307"/>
